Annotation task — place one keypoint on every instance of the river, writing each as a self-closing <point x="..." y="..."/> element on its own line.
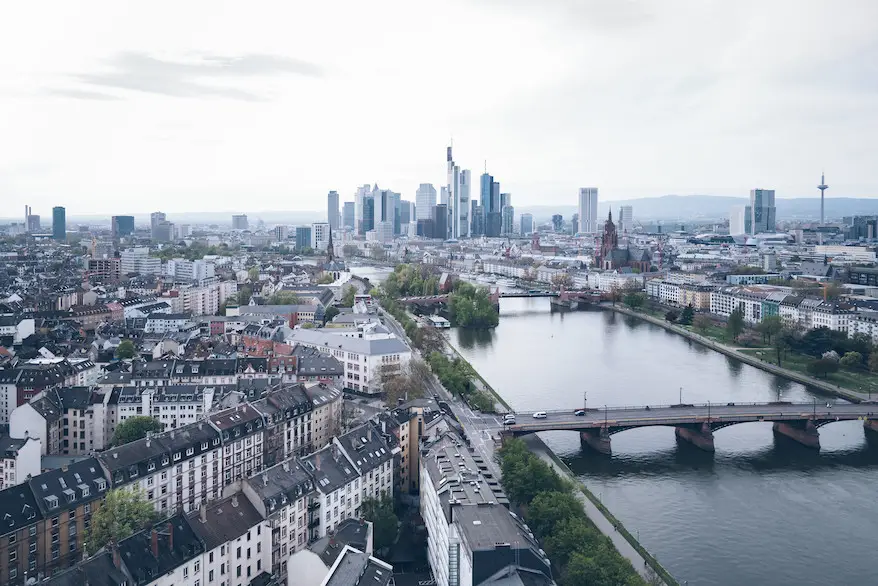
<point x="760" y="510"/>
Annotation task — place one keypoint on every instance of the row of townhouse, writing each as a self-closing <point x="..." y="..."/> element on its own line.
<point x="235" y="529"/>
<point x="673" y="292"/>
<point x="178" y="471"/>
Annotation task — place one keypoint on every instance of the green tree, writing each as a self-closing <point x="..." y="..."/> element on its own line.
<point x="307" y="326"/>
<point x="135" y="428"/>
<point x="245" y="292"/>
<point x="735" y="325"/>
<point x="873" y="361"/>
<point x="599" y="566"/>
<point x="770" y="326"/>
<point x="671" y="316"/>
<point x="702" y="323"/>
<point x="385" y="523"/>
<point x="568" y="536"/>
<point x="634" y="300"/>
<point x="284" y="298"/>
<point x="326" y="279"/>
<point x="562" y="281"/>
<point x="822" y="367"/>
<point x="471" y="307"/>
<point x="347" y="298"/>
<point x="125" y="350"/>
<point x="253" y="273"/>
<point x="547" y="509"/>
<point x="852" y="360"/>
<point x="123" y="513"/>
<point x="330" y="313"/>
<point x="687" y="316"/>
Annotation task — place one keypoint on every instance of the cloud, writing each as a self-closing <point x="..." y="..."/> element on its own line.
<point x="79" y="94"/>
<point x="190" y="78"/>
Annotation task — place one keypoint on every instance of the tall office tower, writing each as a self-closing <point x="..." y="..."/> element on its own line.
<point x="485" y="184"/>
<point x="360" y="207"/>
<point x="527" y="224"/>
<point x="505" y="200"/>
<point x="455" y="197"/>
<point x="154" y="219"/>
<point x="495" y="197"/>
<point x="59" y="223"/>
<point x="122" y="226"/>
<point x="557" y="222"/>
<point x="163" y="232"/>
<point x="762" y="211"/>
<point x="477" y="224"/>
<point x="332" y="210"/>
<point x="440" y="221"/>
<point x="280" y="233"/>
<point x="394" y="213"/>
<point x="303" y="237"/>
<point x="319" y="235"/>
<point x="443" y="195"/>
<point x="508" y="221"/>
<point x="588" y="210"/>
<point x="425" y="199"/>
<point x="26" y="216"/>
<point x="574" y="224"/>
<point x="626" y="219"/>
<point x="740" y="220"/>
<point x="466" y="180"/>
<point x="239" y="222"/>
<point x="349" y="215"/>
<point x="493" y="224"/>
<point x="368" y="220"/>
<point x="406" y="212"/>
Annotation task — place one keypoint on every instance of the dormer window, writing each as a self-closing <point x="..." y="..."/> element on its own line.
<point x="165" y="461"/>
<point x="101" y="484"/>
<point x="249" y="427"/>
<point x="52" y="501"/>
<point x="190" y="451"/>
<point x="151" y="466"/>
<point x="226" y="435"/>
<point x="132" y="472"/>
<point x="216" y="441"/>
<point x="203" y="445"/>
<point x="177" y="456"/>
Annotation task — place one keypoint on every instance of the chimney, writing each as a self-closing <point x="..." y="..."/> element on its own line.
<point x="235" y="500"/>
<point x="117" y="558"/>
<point x="154" y="543"/>
<point x="170" y="536"/>
<point x="202" y="513"/>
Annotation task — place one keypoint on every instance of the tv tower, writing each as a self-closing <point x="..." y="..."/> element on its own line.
<point x="822" y="187"/>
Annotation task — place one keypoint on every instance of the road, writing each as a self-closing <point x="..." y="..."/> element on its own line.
<point x="625" y="417"/>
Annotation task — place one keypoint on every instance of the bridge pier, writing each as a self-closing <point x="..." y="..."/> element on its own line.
<point x="699" y="435"/>
<point x="804" y="432"/>
<point x="596" y="439"/>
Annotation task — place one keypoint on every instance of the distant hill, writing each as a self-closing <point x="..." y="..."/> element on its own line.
<point x="714" y="207"/>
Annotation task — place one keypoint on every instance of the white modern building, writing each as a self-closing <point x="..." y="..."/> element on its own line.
<point x="425" y="199"/>
<point x="588" y="210"/>
<point x="320" y="235"/>
<point x="138" y="261"/>
<point x="626" y="219"/>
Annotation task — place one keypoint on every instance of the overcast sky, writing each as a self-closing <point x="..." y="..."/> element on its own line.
<point x="130" y="107"/>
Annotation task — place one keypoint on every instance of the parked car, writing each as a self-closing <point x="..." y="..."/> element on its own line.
<point x="579" y="412"/>
<point x="540" y="415"/>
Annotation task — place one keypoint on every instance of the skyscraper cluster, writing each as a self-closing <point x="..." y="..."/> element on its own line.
<point x="760" y="216"/>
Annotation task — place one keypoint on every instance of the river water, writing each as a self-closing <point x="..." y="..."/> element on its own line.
<point x="760" y="510"/>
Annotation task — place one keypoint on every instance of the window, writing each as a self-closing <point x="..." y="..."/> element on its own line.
<point x="185" y="572"/>
<point x="197" y="567"/>
<point x="238" y="571"/>
<point x="210" y="576"/>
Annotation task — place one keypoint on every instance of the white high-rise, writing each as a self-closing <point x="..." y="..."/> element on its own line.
<point x="626" y="218"/>
<point x="453" y="188"/>
<point x="466" y="180"/>
<point x="319" y="235"/>
<point x="588" y="210"/>
<point x="425" y="199"/>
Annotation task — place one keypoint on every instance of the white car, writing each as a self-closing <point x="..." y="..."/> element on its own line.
<point x="540" y="415"/>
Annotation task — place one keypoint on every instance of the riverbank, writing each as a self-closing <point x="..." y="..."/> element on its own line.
<point x="483" y="385"/>
<point x="625" y="543"/>
<point x="754" y="361"/>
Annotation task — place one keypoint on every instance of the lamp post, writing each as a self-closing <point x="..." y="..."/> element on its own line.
<point x="708" y="411"/>
<point x="585" y="401"/>
<point x="605" y="417"/>
<point x="681" y="396"/>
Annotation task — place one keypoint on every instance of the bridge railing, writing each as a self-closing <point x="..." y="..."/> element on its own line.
<point x="600" y="409"/>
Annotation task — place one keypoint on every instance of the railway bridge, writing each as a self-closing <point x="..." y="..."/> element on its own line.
<point x="696" y="423"/>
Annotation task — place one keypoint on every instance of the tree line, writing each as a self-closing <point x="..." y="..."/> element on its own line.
<point x="580" y="554"/>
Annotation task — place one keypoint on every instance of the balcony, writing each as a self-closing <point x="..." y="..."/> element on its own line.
<point x="313" y="505"/>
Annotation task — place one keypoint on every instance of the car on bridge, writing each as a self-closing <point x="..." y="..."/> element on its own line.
<point x="579" y="412"/>
<point x="540" y="415"/>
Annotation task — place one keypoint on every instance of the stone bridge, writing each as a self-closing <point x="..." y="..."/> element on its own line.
<point x="696" y="423"/>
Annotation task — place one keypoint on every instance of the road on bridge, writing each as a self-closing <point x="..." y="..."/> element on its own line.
<point x="624" y="417"/>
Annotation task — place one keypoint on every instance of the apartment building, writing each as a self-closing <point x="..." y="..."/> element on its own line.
<point x="19" y="460"/>
<point x="242" y="429"/>
<point x="288" y="426"/>
<point x="176" y="470"/>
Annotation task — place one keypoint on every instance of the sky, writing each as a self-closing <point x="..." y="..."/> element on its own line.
<point x="131" y="107"/>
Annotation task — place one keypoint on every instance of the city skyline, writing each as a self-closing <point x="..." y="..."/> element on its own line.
<point x="216" y="119"/>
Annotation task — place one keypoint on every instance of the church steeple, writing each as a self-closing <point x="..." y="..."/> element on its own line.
<point x="610" y="216"/>
<point x="330" y="250"/>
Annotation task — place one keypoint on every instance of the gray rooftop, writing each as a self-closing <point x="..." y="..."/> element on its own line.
<point x="357" y="345"/>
